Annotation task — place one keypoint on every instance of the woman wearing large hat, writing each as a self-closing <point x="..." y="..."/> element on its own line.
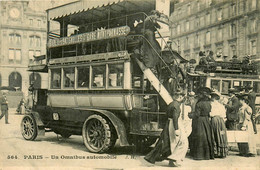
<point x="201" y="139"/>
<point x="217" y="114"/>
<point x="245" y="124"/>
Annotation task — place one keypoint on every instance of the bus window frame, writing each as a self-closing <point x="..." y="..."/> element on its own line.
<point x="51" y="79"/>
<point x="122" y="78"/>
<point x="63" y="76"/>
<point x="89" y="77"/>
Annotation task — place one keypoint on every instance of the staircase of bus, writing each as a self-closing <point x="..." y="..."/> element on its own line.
<point x="152" y="77"/>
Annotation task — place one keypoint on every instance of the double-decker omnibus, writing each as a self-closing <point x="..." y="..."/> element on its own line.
<point x="96" y="88"/>
<point x="225" y="75"/>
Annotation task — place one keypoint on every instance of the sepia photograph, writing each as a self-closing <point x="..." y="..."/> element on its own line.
<point x="130" y="84"/>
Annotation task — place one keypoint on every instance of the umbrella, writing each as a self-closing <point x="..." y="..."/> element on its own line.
<point x="10" y="88"/>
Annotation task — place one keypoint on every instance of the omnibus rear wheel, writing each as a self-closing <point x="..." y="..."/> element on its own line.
<point x="98" y="134"/>
<point x="29" y="128"/>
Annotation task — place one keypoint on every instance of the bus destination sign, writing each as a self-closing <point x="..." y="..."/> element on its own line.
<point x="90" y="36"/>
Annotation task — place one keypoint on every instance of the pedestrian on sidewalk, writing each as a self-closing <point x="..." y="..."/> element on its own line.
<point x="173" y="142"/>
<point x="245" y="124"/>
<point x="218" y="114"/>
<point x="201" y="139"/>
<point x="4" y="108"/>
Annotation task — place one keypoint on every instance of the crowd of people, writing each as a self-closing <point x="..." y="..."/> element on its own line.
<point x="211" y="114"/>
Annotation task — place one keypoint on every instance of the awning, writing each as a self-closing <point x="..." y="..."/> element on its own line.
<point x="99" y="10"/>
<point x="43" y="68"/>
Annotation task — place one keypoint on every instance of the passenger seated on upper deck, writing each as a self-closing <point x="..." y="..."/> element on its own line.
<point x="225" y="58"/>
<point x="219" y="57"/>
<point x="209" y="57"/>
<point x="235" y="59"/>
<point x="203" y="60"/>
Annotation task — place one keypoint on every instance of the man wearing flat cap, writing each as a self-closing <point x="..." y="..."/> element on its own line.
<point x="232" y="108"/>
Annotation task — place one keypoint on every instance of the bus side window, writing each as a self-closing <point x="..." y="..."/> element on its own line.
<point x="83" y="77"/>
<point x="256" y="86"/>
<point x="69" y="77"/>
<point x="215" y="84"/>
<point x="226" y="84"/>
<point x="55" y="78"/>
<point x="99" y="76"/>
<point x="115" y="75"/>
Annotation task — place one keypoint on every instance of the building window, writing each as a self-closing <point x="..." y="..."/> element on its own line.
<point x="15" y="56"/>
<point x="15" y="80"/>
<point x="233" y="9"/>
<point x="208" y="37"/>
<point x="233" y="50"/>
<point x="35" y="41"/>
<point x="208" y="18"/>
<point x="252" y="26"/>
<point x="33" y="53"/>
<point x="31" y="21"/>
<point x="15" y="39"/>
<point x="188" y="9"/>
<point x="253" y="47"/>
<point x="219" y="14"/>
<point x="233" y="30"/>
<point x="244" y="5"/>
<point x="187" y="25"/>
<point x="179" y="12"/>
<point x="178" y="29"/>
<point x="202" y="21"/>
<point x="219" y="34"/>
<point x="198" y="5"/>
<point x="187" y="43"/>
<point x="196" y="22"/>
<point x="253" y="4"/>
<point x="38" y="23"/>
<point x="197" y="41"/>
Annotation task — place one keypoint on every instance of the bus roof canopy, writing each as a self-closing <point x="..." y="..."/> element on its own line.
<point x="89" y="11"/>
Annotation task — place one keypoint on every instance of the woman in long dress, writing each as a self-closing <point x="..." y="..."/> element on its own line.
<point x="217" y="114"/>
<point x="245" y="111"/>
<point x="201" y="139"/>
<point x="173" y="143"/>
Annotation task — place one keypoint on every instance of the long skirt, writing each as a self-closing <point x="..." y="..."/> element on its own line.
<point x="169" y="145"/>
<point x="220" y="136"/>
<point x="201" y="139"/>
<point x="250" y="147"/>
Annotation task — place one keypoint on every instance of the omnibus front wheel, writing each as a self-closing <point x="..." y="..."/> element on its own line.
<point x="98" y="134"/>
<point x="29" y="127"/>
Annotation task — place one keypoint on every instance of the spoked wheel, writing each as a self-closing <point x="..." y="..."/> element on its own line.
<point x="29" y="127"/>
<point x="98" y="134"/>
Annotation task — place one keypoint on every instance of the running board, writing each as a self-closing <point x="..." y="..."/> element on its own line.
<point x="155" y="82"/>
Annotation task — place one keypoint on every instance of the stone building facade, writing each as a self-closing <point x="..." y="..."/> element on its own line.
<point x="22" y="36"/>
<point x="227" y="27"/>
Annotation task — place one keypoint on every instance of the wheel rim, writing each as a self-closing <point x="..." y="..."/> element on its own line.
<point x="96" y="134"/>
<point x="28" y="127"/>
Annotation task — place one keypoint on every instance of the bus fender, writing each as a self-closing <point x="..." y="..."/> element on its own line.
<point x="39" y="123"/>
<point x="118" y="124"/>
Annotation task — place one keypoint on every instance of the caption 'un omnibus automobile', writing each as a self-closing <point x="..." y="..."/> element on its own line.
<point x="96" y="89"/>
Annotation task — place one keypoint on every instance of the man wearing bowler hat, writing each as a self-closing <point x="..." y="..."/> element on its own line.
<point x="232" y="108"/>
